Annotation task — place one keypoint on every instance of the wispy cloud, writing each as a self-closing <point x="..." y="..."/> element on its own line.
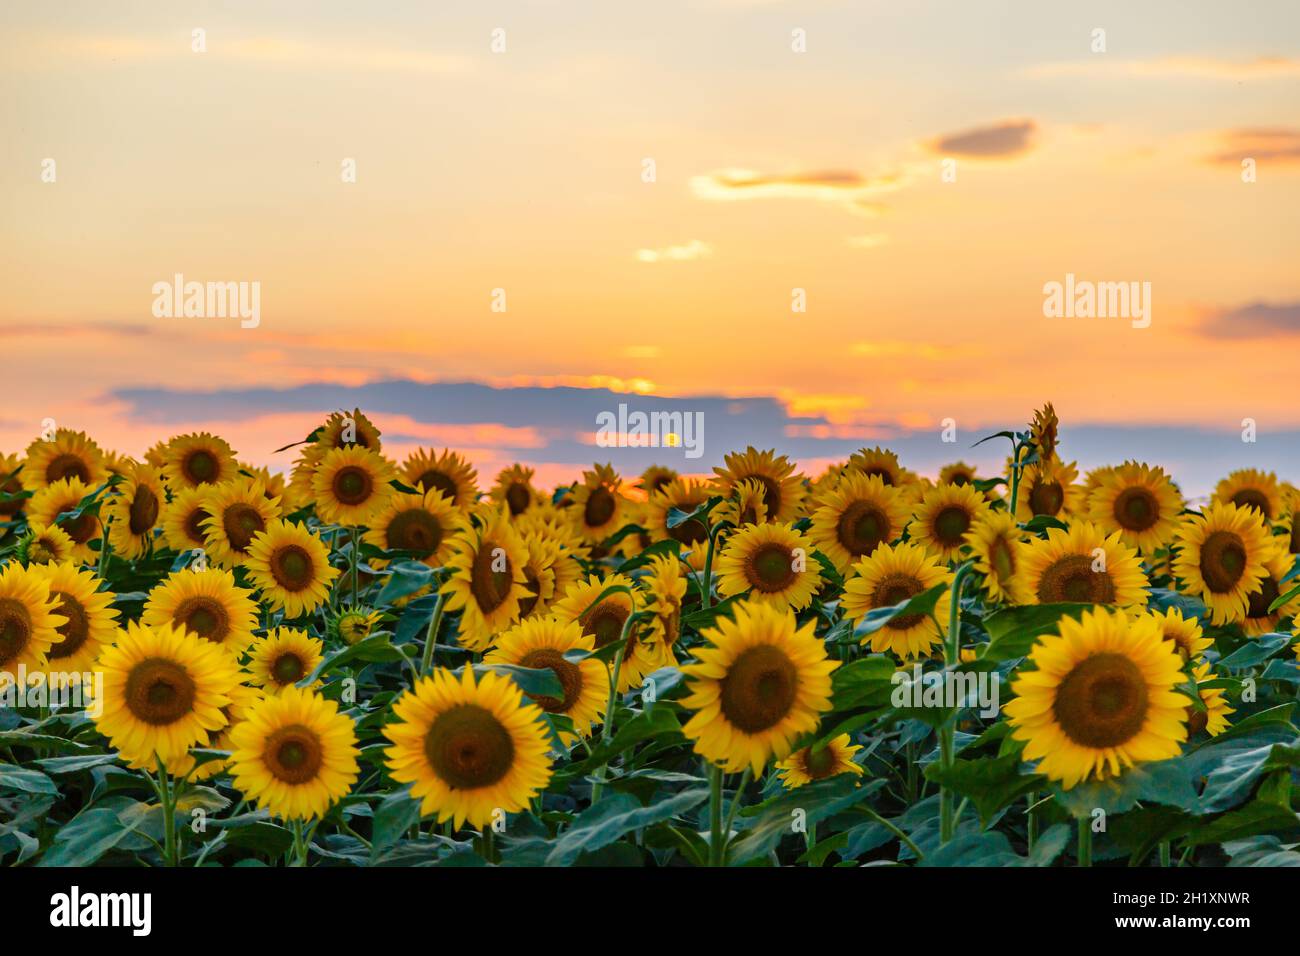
<point x="684" y="252"/>
<point x="834" y="185"/>
<point x="1194" y="67"/>
<point x="1000" y="140"/>
<point x="1253" y="320"/>
<point x="1275" y="144"/>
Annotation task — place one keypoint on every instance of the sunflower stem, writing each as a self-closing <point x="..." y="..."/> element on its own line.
<point x="166" y="797"/>
<point x="947" y="732"/>
<point x="1164" y="853"/>
<point x="1031" y="823"/>
<point x="715" y="815"/>
<point x="1085" y="842"/>
<point x="708" y="565"/>
<point x="431" y="636"/>
<point x="607" y="731"/>
<point x="354" y="538"/>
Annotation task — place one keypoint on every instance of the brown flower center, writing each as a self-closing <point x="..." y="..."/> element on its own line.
<point x="894" y="588"/>
<point x="569" y="674"/>
<point x="194" y="526"/>
<point x="950" y="525"/>
<point x="143" y="513"/>
<point x="288" y="668"/>
<point x="770" y="568"/>
<point x="292" y="568"/>
<point x="468" y="748"/>
<point x="241" y="522"/>
<point x="1261" y="599"/>
<point x="434" y="480"/>
<point x="605" y="621"/>
<point x="159" y="691"/>
<point x="1102" y="702"/>
<point x="862" y="528"/>
<point x="1046" y="498"/>
<point x="1072" y="579"/>
<point x="199" y="467"/>
<point x="352" y="485"/>
<point x="15" y="629"/>
<point x="491" y="587"/>
<point x="518" y="498"/>
<point x="1223" y="561"/>
<point x="414" y="530"/>
<point x="77" y="629"/>
<point x="599" y="508"/>
<point x="293" y="754"/>
<point x="205" y="616"/>
<point x="1253" y="498"/>
<point x="1136" y="509"/>
<point x="818" y="763"/>
<point x="66" y="466"/>
<point x="760" y="688"/>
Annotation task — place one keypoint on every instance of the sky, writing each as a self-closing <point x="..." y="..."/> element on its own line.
<point x="651" y="192"/>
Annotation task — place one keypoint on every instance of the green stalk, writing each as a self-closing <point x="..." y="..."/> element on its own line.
<point x="167" y="798"/>
<point x="1031" y="823"/>
<point x="355" y="546"/>
<point x="431" y="636"/>
<point x="952" y="657"/>
<point x="1164" y="853"/>
<point x="1085" y="842"/>
<point x="708" y="566"/>
<point x="715" y="815"/>
<point x="607" y="731"/>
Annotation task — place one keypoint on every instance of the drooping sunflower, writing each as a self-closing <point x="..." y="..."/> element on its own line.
<point x="422" y="524"/>
<point x="782" y="486"/>
<point x="760" y="684"/>
<point x="1223" y="557"/>
<point x="771" y="561"/>
<point x="90" y="620"/>
<point x="291" y="567"/>
<point x="859" y="515"/>
<point x="64" y="495"/>
<point x="1044" y="431"/>
<point x="487" y="583"/>
<point x="813" y="763"/>
<point x="603" y="621"/>
<point x="664" y="586"/>
<point x="206" y="604"/>
<point x="958" y="473"/>
<point x="42" y="545"/>
<point x="892" y="574"/>
<point x="1183" y="632"/>
<point x="598" y="504"/>
<point x="68" y="454"/>
<point x="183" y="520"/>
<point x="1082" y="565"/>
<point x="29" y="619"/>
<point x="449" y="473"/>
<point x="11" y="486"/>
<point x="1048" y="488"/>
<point x="198" y="459"/>
<point x="514" y="489"/>
<point x="350" y="485"/>
<point x="549" y="572"/>
<point x="995" y="543"/>
<point x="163" y="692"/>
<point x="237" y="511"/>
<point x="1138" y="501"/>
<point x="1214" y="719"/>
<point x="1259" y="620"/>
<point x="943" y="517"/>
<point x="655" y="478"/>
<point x="684" y="494"/>
<point x="745" y="506"/>
<point x="1102" y="698"/>
<point x="135" y="511"/>
<point x="1249" y="488"/>
<point x="295" y="754"/>
<point x="282" y="657"/>
<point x="352" y="625"/>
<point x="468" y="748"/>
<point x="543" y="642"/>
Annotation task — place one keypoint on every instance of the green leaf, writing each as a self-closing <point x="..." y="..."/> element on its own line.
<point x="615" y="815"/>
<point x="922" y="604"/>
<point x="866" y="682"/>
<point x="1284" y="599"/>
<point x="772" y="820"/>
<point x="25" y="781"/>
<point x="1256" y="651"/>
<point x="1168" y="782"/>
<point x="86" y="838"/>
<point x="396" y="814"/>
<point x="533" y="681"/>
<point x="404" y="579"/>
<point x="990" y="783"/>
<point x="1013" y="630"/>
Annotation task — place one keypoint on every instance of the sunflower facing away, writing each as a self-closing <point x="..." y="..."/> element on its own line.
<point x="1248" y="488"/>
<point x="163" y="693"/>
<point x="664" y="590"/>
<point x="29" y="619"/>
<point x="958" y="473"/>
<point x="859" y="515"/>
<point x="943" y="517"/>
<point x="542" y="642"/>
<point x="42" y="545"/>
<point x="782" y="487"/>
<point x="1081" y="565"/>
<point x="198" y="459"/>
<point x="683" y="494"/>
<point x="295" y="754"/>
<point x="90" y="620"/>
<point x="353" y="624"/>
<point x="549" y="571"/>
<point x="1139" y="502"/>
<point x="68" y="454"/>
<point x="1044" y="431"/>
<point x="46" y="505"/>
<point x="771" y="561"/>
<point x="817" y="763"/>
<point x="237" y="511"/>
<point x="487" y="583"/>
<point x="468" y="748"/>
<point x="598" y="505"/>
<point x="995" y="543"/>
<point x="1183" y="632"/>
<point x="891" y="575"/>
<point x="135" y="511"/>
<point x="1102" y="697"/>
<point x="350" y="485"/>
<point x="281" y="658"/>
<point x="745" y="506"/>
<point x="206" y="604"/>
<point x="1048" y="488"/>
<point x="1213" y="720"/>
<point x="1223" y="557"/>
<point x="183" y="519"/>
<point x="760" y="684"/>
<point x="291" y="567"/>
<point x="604" y="622"/>
<point x="448" y="473"/>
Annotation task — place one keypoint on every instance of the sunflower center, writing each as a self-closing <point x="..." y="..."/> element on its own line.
<point x="1252" y="498"/>
<point x="468" y="747"/>
<point x="41" y="551"/>
<point x="352" y="485"/>
<point x="293" y="754"/>
<point x="1102" y="702"/>
<point x="66" y="466"/>
<point x="288" y="668"/>
<point x="241" y="522"/>
<point x="1072" y="579"/>
<point x="604" y="623"/>
<point x="437" y="481"/>
<point x="1136" y="509"/>
<point x="894" y="588"/>
<point x="569" y="674"/>
<point x="194" y="525"/>
<point x="1001" y="559"/>
<point x="760" y="688"/>
<point x="529" y="601"/>
<point x="599" y="508"/>
<point x="818" y="763"/>
<point x="1046" y="498"/>
<point x="75" y="631"/>
<point x="877" y="471"/>
<point x="771" y="493"/>
<point x="159" y="691"/>
<point x="15" y="629"/>
<point x="205" y="616"/>
<point x="489" y="586"/>
<point x="518" y="498"/>
<point x="1295" y="535"/>
<point x="200" y="467"/>
<point x="1261" y="599"/>
<point x="694" y="531"/>
<point x="862" y="528"/>
<point x="1223" y="561"/>
<point x="1197" y="720"/>
<point x="771" y="568"/>
<point x="81" y="528"/>
<point x="950" y="525"/>
<point x="143" y="513"/>
<point x="415" y="530"/>
<point x="291" y="567"/>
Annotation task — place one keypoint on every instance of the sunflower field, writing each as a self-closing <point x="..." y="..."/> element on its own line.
<point x="361" y="662"/>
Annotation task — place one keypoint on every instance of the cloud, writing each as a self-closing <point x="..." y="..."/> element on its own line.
<point x="1253" y="320"/>
<point x="833" y="185"/>
<point x="1276" y="144"/>
<point x="686" y="252"/>
<point x="1004" y="139"/>
<point x="1194" y="67"/>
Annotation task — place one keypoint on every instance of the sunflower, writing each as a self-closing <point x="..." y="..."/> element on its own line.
<point x="817" y="763"/>
<point x="422" y="524"/>
<point x="1259" y="620"/>
<point x="1138" y="501"/>
<point x="237" y="511"/>
<point x="958" y="473"/>
<point x="198" y="459"/>
<point x="1183" y="632"/>
<point x="242" y="700"/>
<point x="11" y="487"/>
<point x="42" y="545"/>
<point x="291" y="567"/>
<point x="1248" y="488"/>
<point x="294" y="754"/>
<point x="68" y="454"/>
<point x="745" y="506"/>
<point x="598" y="505"/>
<point x="604" y="622"/>
<point x="549" y="571"/>
<point x="449" y="473"/>
<point x="1102" y="698"/>
<point x="183" y="520"/>
<point x="350" y="485"/>
<point x="1214" y="719"/>
<point x="664" y="590"/>
<point x="66" y="494"/>
<point x="543" y="642"/>
<point x="943" y="517"/>
<point x="163" y="692"/>
<point x="468" y="748"/>
<point x="880" y="462"/>
<point x="282" y="657"/>
<point x="1044" y="431"/>
<point x="487" y="583"/>
<point x="771" y="561"/>
<point x="890" y="575"/>
<point x="29" y="619"/>
<point x="996" y="545"/>
<point x="1082" y="565"/>
<point x="684" y="494"/>
<point x="760" y="684"/>
<point x="1223" y="557"/>
<point x="206" y="604"/>
<point x="859" y="515"/>
<point x="346" y="430"/>
<point x="1048" y="488"/>
<point x="782" y="487"/>
<point x="90" y="620"/>
<point x="514" y="489"/>
<point x="273" y="484"/>
<point x="135" y="510"/>
<point x="353" y="625"/>
<point x="655" y="478"/>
